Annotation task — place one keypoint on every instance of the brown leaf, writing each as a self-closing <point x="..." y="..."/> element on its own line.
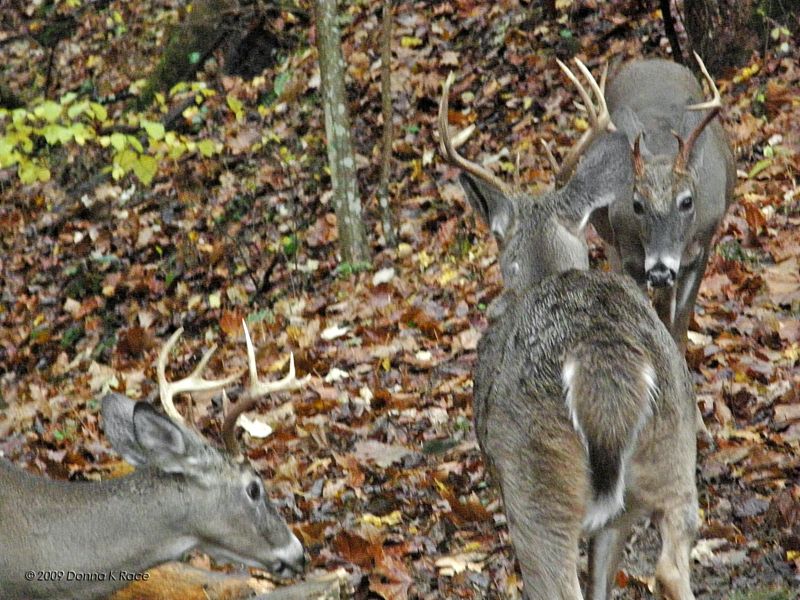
<point x="134" y="341"/>
<point x="230" y="322"/>
<point x="783" y="281"/>
<point x="356" y="549"/>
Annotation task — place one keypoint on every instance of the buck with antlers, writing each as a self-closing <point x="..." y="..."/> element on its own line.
<point x="583" y="404"/>
<point x="84" y="540"/>
<point x="684" y="175"/>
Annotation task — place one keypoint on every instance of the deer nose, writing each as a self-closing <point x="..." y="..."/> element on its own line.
<point x="291" y="559"/>
<point x="661" y="276"/>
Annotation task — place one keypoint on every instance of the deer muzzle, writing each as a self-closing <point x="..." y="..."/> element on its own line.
<point x="291" y="560"/>
<point x="660" y="276"/>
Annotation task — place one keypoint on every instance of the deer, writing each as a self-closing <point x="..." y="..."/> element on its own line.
<point x="85" y="540"/>
<point x="684" y="179"/>
<point x="583" y="406"/>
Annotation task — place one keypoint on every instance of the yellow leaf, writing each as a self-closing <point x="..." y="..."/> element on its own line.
<point x="99" y="111"/>
<point x="386" y="364"/>
<point x="410" y="42"/>
<point x="581" y="124"/>
<point x="447" y="276"/>
<point x="425" y="260"/>
<point x="145" y="168"/>
<point x="215" y="300"/>
<point x="236" y="106"/>
<point x="118" y="141"/>
<point x="49" y="111"/>
<point x="154" y="129"/>
<point x="206" y="147"/>
<point x="389" y="520"/>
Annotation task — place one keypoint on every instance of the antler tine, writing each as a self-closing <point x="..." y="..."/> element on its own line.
<point x="713" y="106"/>
<point x="716" y="99"/>
<point x="549" y="154"/>
<point x="449" y="152"/>
<point x="603" y="78"/>
<point x="193" y="383"/>
<point x="256" y="389"/>
<point x="599" y="117"/>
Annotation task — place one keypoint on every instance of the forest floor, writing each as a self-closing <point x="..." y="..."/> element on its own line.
<point x="375" y="463"/>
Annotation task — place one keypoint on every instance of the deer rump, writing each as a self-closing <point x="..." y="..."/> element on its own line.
<point x="573" y="382"/>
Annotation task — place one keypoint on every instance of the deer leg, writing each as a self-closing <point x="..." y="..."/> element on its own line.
<point x="544" y="522"/>
<point x="678" y="526"/>
<point x="687" y="287"/>
<point x="664" y="302"/>
<point x="605" y="551"/>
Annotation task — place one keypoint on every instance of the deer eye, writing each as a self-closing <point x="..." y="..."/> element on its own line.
<point x="253" y="491"/>
<point x="685" y="202"/>
<point x="638" y="206"/>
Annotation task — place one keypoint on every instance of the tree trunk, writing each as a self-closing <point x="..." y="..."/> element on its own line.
<point x="346" y="201"/>
<point x="387" y="221"/>
<point x="720" y="31"/>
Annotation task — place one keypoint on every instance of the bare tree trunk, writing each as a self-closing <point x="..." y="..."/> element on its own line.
<point x="719" y="31"/>
<point x="386" y="101"/>
<point x="346" y="201"/>
<point x="669" y="28"/>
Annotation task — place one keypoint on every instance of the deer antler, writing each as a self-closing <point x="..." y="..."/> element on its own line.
<point x="638" y="162"/>
<point x="713" y="106"/>
<point x="254" y="392"/>
<point x="193" y="383"/>
<point x="597" y="112"/>
<point x="446" y="146"/>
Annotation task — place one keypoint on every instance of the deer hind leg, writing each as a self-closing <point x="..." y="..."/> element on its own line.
<point x="605" y="551"/>
<point x="678" y="526"/>
<point x="545" y="526"/>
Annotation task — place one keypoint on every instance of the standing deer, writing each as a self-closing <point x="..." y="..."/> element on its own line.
<point x="83" y="540"/>
<point x="583" y="404"/>
<point x="683" y="184"/>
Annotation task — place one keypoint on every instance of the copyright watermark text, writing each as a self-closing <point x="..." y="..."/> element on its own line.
<point x="86" y="576"/>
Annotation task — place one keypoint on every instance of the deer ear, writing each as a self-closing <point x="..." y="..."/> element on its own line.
<point x="604" y="176"/>
<point x="495" y="208"/>
<point x="117" y="411"/>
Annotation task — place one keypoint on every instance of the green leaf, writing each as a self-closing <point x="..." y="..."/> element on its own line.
<point x="56" y="134"/>
<point x="135" y="143"/>
<point x="154" y="129"/>
<point x="99" y="111"/>
<point x="77" y="109"/>
<point x="48" y="110"/>
<point x="236" y="106"/>
<point x="29" y="172"/>
<point x="145" y="168"/>
<point x="68" y="98"/>
<point x="206" y="147"/>
<point x="118" y="141"/>
<point x="194" y="58"/>
<point x="280" y="82"/>
<point x="758" y="167"/>
<point x="81" y="133"/>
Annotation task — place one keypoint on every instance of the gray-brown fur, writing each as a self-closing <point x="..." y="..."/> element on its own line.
<point x="649" y="99"/>
<point x="553" y="310"/>
<point x="184" y="495"/>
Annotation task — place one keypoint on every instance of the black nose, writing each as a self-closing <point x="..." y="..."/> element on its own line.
<point x="288" y="569"/>
<point x="661" y="276"/>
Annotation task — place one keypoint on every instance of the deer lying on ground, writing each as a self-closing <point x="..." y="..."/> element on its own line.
<point x="583" y="404"/>
<point x="85" y="540"/>
<point x="684" y="179"/>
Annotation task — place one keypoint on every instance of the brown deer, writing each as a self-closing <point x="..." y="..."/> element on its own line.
<point x="683" y="184"/>
<point x="583" y="404"/>
<point x="84" y="540"/>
